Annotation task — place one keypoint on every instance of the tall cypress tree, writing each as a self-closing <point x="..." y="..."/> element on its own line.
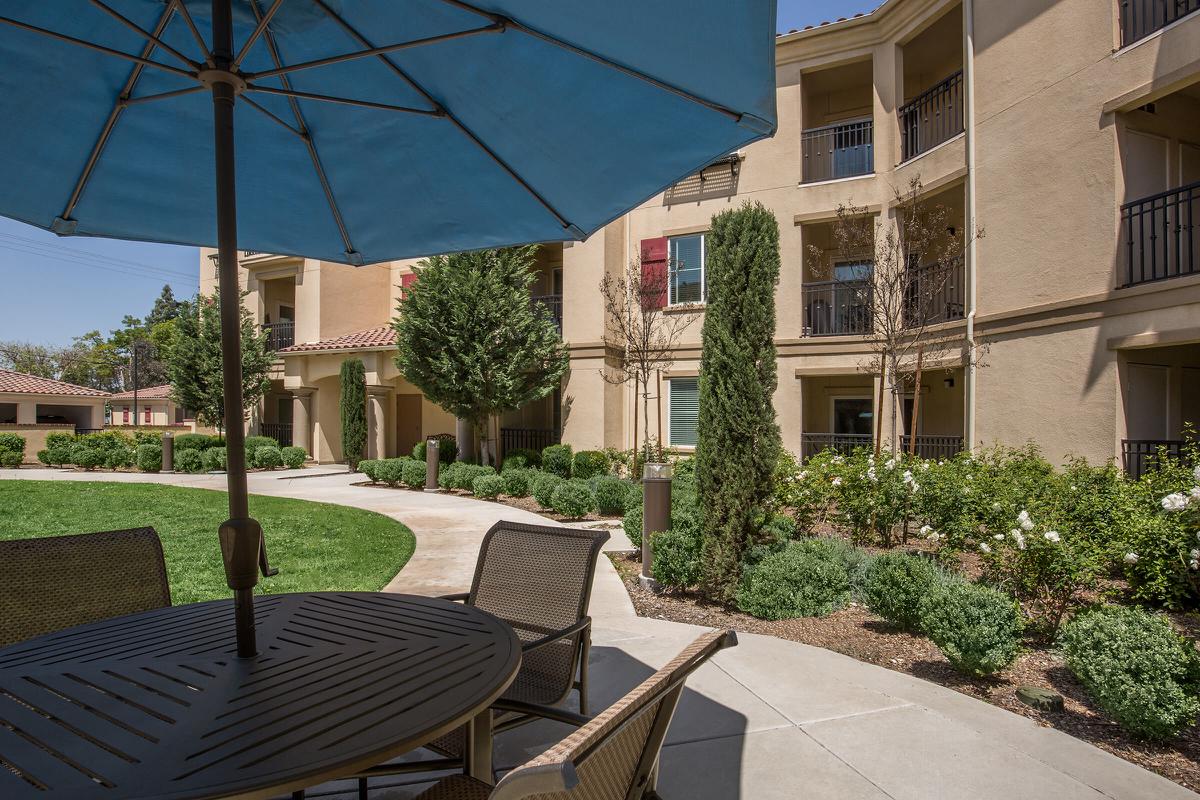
<point x="354" y="411"/>
<point x="738" y="440"/>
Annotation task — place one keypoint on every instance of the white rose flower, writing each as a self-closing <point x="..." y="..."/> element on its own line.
<point x="1194" y="564"/>
<point x="891" y="463"/>
<point x="999" y="537"/>
<point x="934" y="537"/>
<point x="984" y="547"/>
<point x="1196" y="473"/>
<point x="871" y="474"/>
<point x="1131" y="558"/>
<point x="1175" y="502"/>
<point x="1020" y="539"/>
<point x="996" y="506"/>
<point x="837" y="481"/>
<point x="925" y="465"/>
<point x="1024" y="521"/>
<point x="1195" y="554"/>
<point x="1195" y="493"/>
<point x="1052" y="536"/>
<point x="925" y="530"/>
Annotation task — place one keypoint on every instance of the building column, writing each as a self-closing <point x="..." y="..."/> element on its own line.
<point x="27" y="412"/>
<point x="301" y="408"/>
<point x="377" y="421"/>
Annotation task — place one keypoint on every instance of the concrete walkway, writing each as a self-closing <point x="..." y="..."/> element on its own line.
<point x="768" y="719"/>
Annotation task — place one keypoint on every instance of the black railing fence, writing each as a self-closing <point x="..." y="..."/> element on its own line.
<point x="553" y="304"/>
<point x="845" y="443"/>
<point x="1140" y="18"/>
<point x="934" y="447"/>
<point x="1159" y="236"/>
<point x="934" y="293"/>
<point x="1139" y="456"/>
<point x="932" y="117"/>
<point x="280" y="334"/>
<point x="279" y="431"/>
<point x="526" y="439"/>
<point x="836" y="308"/>
<point x="838" y="151"/>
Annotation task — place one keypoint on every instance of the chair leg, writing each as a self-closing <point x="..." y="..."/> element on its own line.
<point x="362" y="789"/>
<point x="586" y="642"/>
<point x="298" y="795"/>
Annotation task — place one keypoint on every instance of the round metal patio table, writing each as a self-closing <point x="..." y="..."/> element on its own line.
<point x="157" y="704"/>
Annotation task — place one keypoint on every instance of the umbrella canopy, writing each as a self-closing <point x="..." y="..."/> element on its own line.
<point x="361" y="131"/>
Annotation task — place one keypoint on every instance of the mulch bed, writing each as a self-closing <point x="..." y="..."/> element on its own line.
<point x="856" y="632"/>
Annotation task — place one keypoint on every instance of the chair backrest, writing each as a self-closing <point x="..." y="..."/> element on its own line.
<point x="57" y="582"/>
<point x="613" y="757"/>
<point x="538" y="579"/>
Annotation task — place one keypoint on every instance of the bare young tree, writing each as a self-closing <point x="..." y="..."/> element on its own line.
<point x="636" y="325"/>
<point x="916" y="260"/>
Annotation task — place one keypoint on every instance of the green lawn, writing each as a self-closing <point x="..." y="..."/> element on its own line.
<point x="316" y="546"/>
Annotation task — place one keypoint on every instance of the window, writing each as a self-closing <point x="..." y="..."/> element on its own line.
<point x="683" y="411"/>
<point x="687" y="255"/>
<point x="147" y="415"/>
<point x="125" y="415"/>
<point x="853" y="415"/>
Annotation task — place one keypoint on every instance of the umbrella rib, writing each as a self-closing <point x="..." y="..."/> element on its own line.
<point x="504" y="165"/>
<point x="62" y="37"/>
<point x="133" y="101"/>
<point x="113" y="116"/>
<point x="346" y="101"/>
<point x="128" y="23"/>
<point x="273" y="117"/>
<point x="263" y="21"/>
<point x="191" y="26"/>
<point x="374" y="51"/>
<point x="579" y="51"/>
<point x="273" y="49"/>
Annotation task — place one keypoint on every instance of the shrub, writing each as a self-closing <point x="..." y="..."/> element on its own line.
<point x="799" y="581"/>
<point x="543" y="488"/>
<point x="44" y="456"/>
<point x="105" y="441"/>
<point x="10" y="459"/>
<point x="268" y="457"/>
<point x="370" y="468"/>
<point x="352" y="409"/>
<point x="215" y="459"/>
<point x="977" y="628"/>
<point x="1136" y="668"/>
<point x="676" y="559"/>
<point x="59" y="454"/>
<point x="487" y="486"/>
<point x="188" y="460"/>
<point x="12" y="443"/>
<point x="153" y="437"/>
<point x="86" y="457"/>
<point x="447" y="449"/>
<point x="390" y="470"/>
<point x="588" y="463"/>
<point x="121" y="457"/>
<point x="557" y="460"/>
<point x="255" y="442"/>
<point x="610" y="492"/>
<point x="462" y="476"/>
<point x="196" y="441"/>
<point x="572" y="500"/>
<point x="59" y="439"/>
<point x="447" y="475"/>
<point x="413" y="473"/>
<point x="894" y="585"/>
<point x="293" y="457"/>
<point x="516" y="481"/>
<point x="149" y="457"/>
<point x="521" y="458"/>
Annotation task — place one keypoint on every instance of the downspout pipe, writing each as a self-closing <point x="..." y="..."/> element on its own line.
<point x="971" y="254"/>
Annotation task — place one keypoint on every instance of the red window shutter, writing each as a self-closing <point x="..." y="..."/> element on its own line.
<point x="654" y="272"/>
<point x="405" y="282"/>
<point x="125" y="415"/>
<point x="147" y="415"/>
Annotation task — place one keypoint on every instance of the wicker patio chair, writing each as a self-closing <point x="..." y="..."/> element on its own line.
<point x="538" y="579"/>
<point x="48" y="584"/>
<point x="613" y="757"/>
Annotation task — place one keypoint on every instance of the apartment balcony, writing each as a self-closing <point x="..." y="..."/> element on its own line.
<point x="935" y="294"/>
<point x="1139" y="456"/>
<point x="280" y="334"/>
<point x="553" y="303"/>
<point x="932" y="117"/>
<point x="527" y="439"/>
<point x="845" y="443"/>
<point x="933" y="447"/>
<point x="837" y="308"/>
<point x="1159" y="236"/>
<point x="836" y="151"/>
<point x="1140" y="18"/>
<point x="279" y="431"/>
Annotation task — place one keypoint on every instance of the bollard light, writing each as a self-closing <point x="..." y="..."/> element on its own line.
<point x="433" y="457"/>
<point x="168" y="454"/>
<point x="656" y="514"/>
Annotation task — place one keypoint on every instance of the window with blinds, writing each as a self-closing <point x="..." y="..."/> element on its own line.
<point x="684" y="411"/>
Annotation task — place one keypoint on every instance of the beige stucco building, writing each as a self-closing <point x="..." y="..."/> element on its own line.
<point x="1069" y="131"/>
<point x="35" y="407"/>
<point x="152" y="406"/>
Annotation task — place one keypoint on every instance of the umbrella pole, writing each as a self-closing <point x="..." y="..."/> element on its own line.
<point x="241" y="536"/>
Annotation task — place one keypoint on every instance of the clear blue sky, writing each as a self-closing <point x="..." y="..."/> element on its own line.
<point x="54" y="289"/>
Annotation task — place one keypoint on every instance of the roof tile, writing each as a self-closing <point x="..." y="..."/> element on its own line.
<point x="20" y="383"/>
<point x="359" y="340"/>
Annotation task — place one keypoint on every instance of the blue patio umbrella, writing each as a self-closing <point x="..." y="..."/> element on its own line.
<point x="361" y="131"/>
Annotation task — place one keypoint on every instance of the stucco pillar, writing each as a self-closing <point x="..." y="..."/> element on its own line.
<point x="377" y="421"/>
<point x="465" y="435"/>
<point x="97" y="416"/>
<point x="27" y="412"/>
<point x="301" y="423"/>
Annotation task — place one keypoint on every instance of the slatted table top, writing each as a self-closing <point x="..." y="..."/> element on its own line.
<point x="156" y="705"/>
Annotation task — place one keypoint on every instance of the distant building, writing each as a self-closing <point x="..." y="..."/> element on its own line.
<point x="154" y="408"/>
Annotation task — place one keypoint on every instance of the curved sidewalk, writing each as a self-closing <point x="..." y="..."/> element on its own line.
<point x="768" y="719"/>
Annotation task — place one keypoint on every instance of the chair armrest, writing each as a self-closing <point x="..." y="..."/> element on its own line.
<point x="458" y="597"/>
<point x="570" y="630"/>
<point x="533" y="710"/>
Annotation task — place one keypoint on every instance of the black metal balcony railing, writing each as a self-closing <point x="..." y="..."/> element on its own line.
<point x="279" y="431"/>
<point x="1139" y="456"/>
<point x="932" y="117"/>
<point x="280" y="334"/>
<point x="934" y="447"/>
<point x="554" y="304"/>
<point x="934" y="294"/>
<point x="1159" y="235"/>
<point x="1140" y="18"/>
<point x="838" y="151"/>
<point x="526" y="439"/>
<point x="837" y="308"/>
<point x="844" y="443"/>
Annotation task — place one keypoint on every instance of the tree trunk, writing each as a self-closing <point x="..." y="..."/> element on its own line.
<point x="879" y="410"/>
<point x="635" y="427"/>
<point x="916" y="412"/>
